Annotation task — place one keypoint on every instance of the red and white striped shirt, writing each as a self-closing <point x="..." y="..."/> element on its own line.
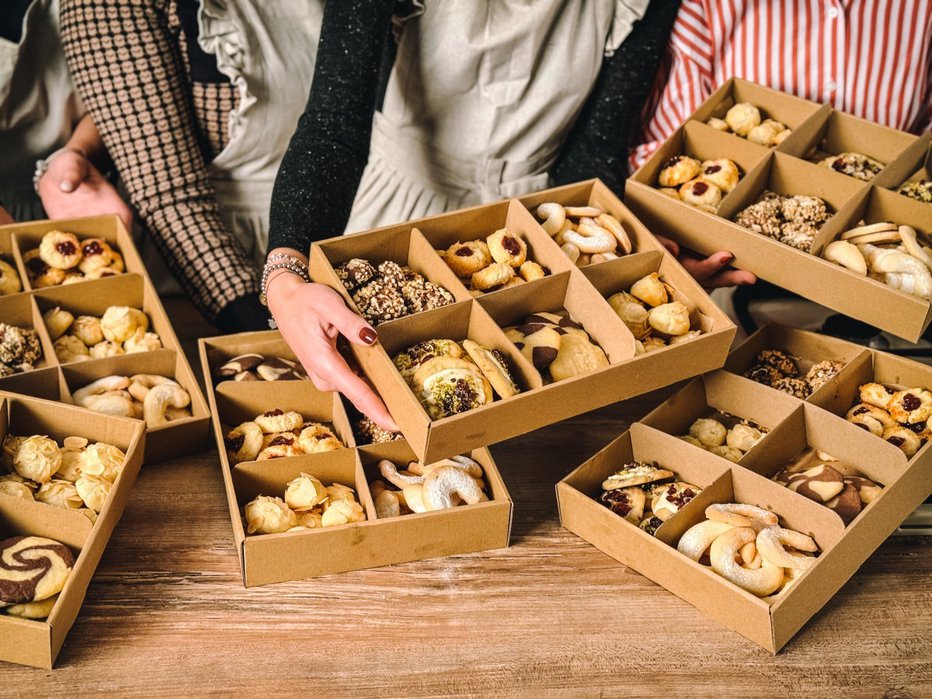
<point x="870" y="58"/>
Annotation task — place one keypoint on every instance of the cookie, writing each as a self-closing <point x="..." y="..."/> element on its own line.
<point x="875" y="394"/>
<point x="797" y="388"/>
<point x="636" y="473"/>
<point x="142" y="341"/>
<point x="40" y="273"/>
<point x="920" y="190"/>
<point x="495" y="274"/>
<point x="847" y="504"/>
<point x="37" y="458"/>
<point x="280" y="369"/>
<point x="304" y="493"/>
<point x="763" y="134"/>
<point x="540" y="347"/>
<point x="494" y="367"/>
<point x="742" y="117"/>
<point x="268" y="515"/>
<point x="279" y="445"/>
<point x="867" y="489"/>
<point x="799" y="235"/>
<point x="507" y="247"/>
<point x="94" y="490"/>
<point x="368" y="432"/>
<point x="743" y="437"/>
<point x="448" y="386"/>
<point x="119" y="323"/>
<point x="723" y="173"/>
<point x="32" y="569"/>
<point x="727" y="452"/>
<point x="531" y="271"/>
<point x="718" y="124"/>
<point x="911" y="406"/>
<point x="105" y="349"/>
<point x="625" y="502"/>
<point x="411" y="359"/>
<point x="316" y="438"/>
<point x="871" y="418"/>
<point x="96" y="254"/>
<point x="779" y="360"/>
<point x="60" y="250"/>
<point x="237" y="365"/>
<point x="277" y="420"/>
<point x="763" y="374"/>
<point x="671" y="319"/>
<point x="802" y="208"/>
<point x="60" y="493"/>
<point x="856" y="165"/>
<point x="465" y="259"/>
<point x="57" y="321"/>
<point x="32" y="610"/>
<point x="820" y="483"/>
<point x="678" y="170"/>
<point x="701" y="194"/>
<point x="668" y="499"/>
<point x="652" y="290"/>
<point x="821" y="373"/>
<point x="19" y="347"/>
<point x="711" y="433"/>
<point x="10" y="282"/>
<point x="355" y="273"/>
<point x="577" y="356"/>
<point x="904" y="439"/>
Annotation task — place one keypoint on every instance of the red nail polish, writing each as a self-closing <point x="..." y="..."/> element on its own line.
<point x="368" y="335"/>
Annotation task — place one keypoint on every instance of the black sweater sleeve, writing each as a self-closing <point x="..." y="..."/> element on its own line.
<point x="597" y="146"/>
<point x="319" y="175"/>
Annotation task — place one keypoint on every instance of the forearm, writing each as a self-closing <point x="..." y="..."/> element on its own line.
<point x="86" y="139"/>
<point x="320" y="172"/>
<point x="135" y="92"/>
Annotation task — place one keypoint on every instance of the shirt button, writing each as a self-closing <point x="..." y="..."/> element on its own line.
<point x="832" y="12"/>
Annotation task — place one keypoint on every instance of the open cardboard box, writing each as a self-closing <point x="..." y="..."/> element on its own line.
<point x="482" y="319"/>
<point x="785" y="172"/>
<point x="375" y="542"/>
<point x="37" y="643"/>
<point x="800" y="429"/>
<point x="53" y="381"/>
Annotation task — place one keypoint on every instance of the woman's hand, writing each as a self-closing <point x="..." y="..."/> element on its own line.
<point x="711" y="272"/>
<point x="310" y="318"/>
<point x="73" y="187"/>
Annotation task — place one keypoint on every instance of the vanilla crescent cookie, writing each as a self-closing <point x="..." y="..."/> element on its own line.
<point x="494" y="367"/>
<point x="465" y="259"/>
<point x="60" y="250"/>
<point x="32" y="569"/>
<point x="678" y="170"/>
<point x="10" y="283"/>
<point x="507" y="247"/>
<point x="37" y="458"/>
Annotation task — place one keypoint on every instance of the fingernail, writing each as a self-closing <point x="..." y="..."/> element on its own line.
<point x="66" y="186"/>
<point x="727" y="258"/>
<point x="368" y="335"/>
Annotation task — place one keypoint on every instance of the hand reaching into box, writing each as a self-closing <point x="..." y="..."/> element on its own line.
<point x="310" y="317"/>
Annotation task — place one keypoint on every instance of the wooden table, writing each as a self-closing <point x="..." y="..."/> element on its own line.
<point x="167" y="614"/>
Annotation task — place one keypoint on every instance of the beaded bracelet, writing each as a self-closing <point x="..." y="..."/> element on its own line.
<point x="280" y="261"/>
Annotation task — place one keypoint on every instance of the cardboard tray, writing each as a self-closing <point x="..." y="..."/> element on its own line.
<point x="375" y="542"/>
<point x="581" y="291"/>
<point x="787" y="169"/>
<point x="52" y="380"/>
<point x="796" y="428"/>
<point x="37" y="643"/>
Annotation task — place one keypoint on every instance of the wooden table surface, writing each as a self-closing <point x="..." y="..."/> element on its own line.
<point x="167" y="614"/>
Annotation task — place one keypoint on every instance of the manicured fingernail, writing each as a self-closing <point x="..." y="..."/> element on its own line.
<point x="368" y="335"/>
<point x="727" y="258"/>
<point x="67" y="186"/>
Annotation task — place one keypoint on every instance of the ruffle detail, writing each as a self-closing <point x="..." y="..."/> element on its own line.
<point x="405" y="11"/>
<point x="221" y="36"/>
<point x="627" y="12"/>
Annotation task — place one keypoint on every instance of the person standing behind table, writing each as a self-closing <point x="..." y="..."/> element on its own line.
<point x="196" y="101"/>
<point x="42" y="118"/>
<point x="871" y="58"/>
<point x="485" y="100"/>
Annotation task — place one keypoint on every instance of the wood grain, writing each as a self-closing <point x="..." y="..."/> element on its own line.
<point x="167" y="614"/>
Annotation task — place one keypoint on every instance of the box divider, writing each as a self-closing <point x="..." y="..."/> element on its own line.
<point x="546" y="251"/>
<point x="49" y="358"/>
<point x="484" y="330"/>
<point x="747" y="190"/>
<point x="719" y="490"/>
<point x="586" y="305"/>
<point x="807" y="134"/>
<point x="18" y="253"/>
<point x="363" y="493"/>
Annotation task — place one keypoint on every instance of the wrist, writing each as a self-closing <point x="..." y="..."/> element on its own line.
<point x="42" y="164"/>
<point x="282" y="264"/>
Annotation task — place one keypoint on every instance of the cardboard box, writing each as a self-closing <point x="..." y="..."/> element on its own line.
<point x="797" y="429"/>
<point x="37" y="643"/>
<point x="53" y="381"/>
<point x="579" y="291"/>
<point x="818" y="131"/>
<point x="375" y="542"/>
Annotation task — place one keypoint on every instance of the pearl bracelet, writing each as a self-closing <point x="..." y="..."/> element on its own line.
<point x="280" y="261"/>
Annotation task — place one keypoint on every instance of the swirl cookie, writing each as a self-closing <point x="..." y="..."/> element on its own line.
<point x="32" y="569"/>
